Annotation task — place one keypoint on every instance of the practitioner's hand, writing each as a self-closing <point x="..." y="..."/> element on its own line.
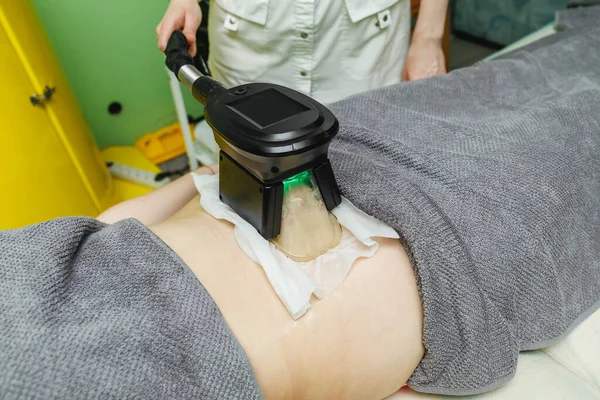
<point x="425" y="58"/>
<point x="181" y="14"/>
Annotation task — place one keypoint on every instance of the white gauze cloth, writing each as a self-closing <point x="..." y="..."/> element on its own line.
<point x="295" y="282"/>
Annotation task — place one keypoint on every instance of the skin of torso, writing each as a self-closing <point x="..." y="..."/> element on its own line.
<point x="363" y="341"/>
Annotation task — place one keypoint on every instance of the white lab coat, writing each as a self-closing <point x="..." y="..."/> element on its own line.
<point x="327" y="49"/>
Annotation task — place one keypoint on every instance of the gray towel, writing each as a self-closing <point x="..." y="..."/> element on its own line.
<point x="491" y="175"/>
<point x="90" y="311"/>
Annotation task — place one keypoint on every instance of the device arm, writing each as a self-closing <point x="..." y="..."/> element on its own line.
<point x="177" y="52"/>
<point x="180" y="61"/>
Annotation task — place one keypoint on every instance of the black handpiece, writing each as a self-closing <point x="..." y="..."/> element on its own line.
<point x="267" y="134"/>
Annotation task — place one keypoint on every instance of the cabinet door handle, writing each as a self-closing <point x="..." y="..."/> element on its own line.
<point x="40" y="100"/>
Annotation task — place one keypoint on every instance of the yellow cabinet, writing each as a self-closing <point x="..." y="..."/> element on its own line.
<point x="49" y="164"/>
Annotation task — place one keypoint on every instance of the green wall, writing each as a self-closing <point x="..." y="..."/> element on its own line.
<point x="107" y="49"/>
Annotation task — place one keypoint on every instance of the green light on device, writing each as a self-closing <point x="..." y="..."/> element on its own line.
<point x="303" y="178"/>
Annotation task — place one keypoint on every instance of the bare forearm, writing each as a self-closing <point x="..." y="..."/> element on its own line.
<point x="431" y="20"/>
<point x="157" y="205"/>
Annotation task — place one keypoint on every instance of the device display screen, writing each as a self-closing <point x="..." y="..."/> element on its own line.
<point x="268" y="107"/>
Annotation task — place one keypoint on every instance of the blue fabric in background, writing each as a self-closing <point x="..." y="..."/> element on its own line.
<point x="503" y="22"/>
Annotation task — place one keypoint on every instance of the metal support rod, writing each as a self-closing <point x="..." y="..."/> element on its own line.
<point x="183" y="120"/>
